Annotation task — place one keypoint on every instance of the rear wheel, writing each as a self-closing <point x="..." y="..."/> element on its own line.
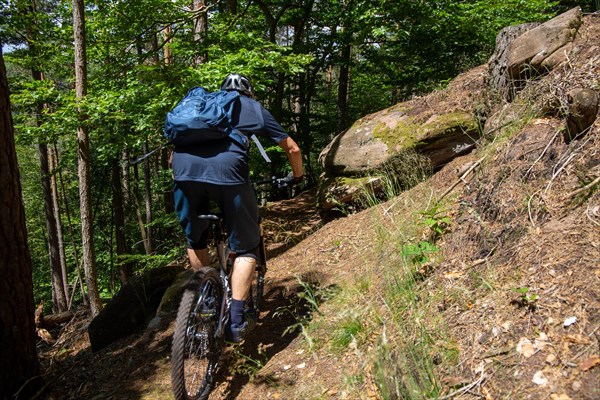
<point x="196" y="350"/>
<point x="253" y="301"/>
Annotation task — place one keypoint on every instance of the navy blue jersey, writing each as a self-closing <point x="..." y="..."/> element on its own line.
<point x="225" y="162"/>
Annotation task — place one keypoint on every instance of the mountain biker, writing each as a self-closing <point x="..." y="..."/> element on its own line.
<point x="219" y="171"/>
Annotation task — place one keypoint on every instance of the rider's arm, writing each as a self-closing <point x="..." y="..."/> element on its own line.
<point x="294" y="156"/>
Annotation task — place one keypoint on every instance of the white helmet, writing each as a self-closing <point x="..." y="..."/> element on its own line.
<point x="238" y="82"/>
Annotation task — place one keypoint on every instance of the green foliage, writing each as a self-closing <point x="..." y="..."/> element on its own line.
<point x="436" y="220"/>
<point x="526" y="297"/>
<point x="418" y="254"/>
<point x="346" y="333"/>
<point x="246" y="365"/>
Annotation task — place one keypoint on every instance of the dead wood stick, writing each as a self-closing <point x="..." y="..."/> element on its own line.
<point x="466" y="388"/>
<point x="542" y="154"/>
<point x="462" y="177"/>
<point x="582" y="189"/>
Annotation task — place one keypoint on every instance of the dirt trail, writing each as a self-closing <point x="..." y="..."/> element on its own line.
<point x="137" y="367"/>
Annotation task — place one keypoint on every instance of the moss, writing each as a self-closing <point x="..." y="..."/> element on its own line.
<point x="402" y="135"/>
<point x="407" y="133"/>
<point x="340" y="189"/>
<point x="449" y="122"/>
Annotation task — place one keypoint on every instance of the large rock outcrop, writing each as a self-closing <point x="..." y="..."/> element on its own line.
<point x="439" y="127"/>
<point x="542" y="48"/>
<point x="447" y="123"/>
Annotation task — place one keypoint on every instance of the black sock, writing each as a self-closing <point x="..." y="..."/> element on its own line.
<point x="237" y="312"/>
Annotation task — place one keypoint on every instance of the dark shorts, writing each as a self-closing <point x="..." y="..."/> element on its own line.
<point x="240" y="212"/>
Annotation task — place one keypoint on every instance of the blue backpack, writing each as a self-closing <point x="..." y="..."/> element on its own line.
<point x="201" y="116"/>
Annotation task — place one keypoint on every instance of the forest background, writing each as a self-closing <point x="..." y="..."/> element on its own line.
<point x="90" y="84"/>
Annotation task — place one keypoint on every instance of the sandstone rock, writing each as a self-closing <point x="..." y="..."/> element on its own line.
<point x="527" y="53"/>
<point x="499" y="80"/>
<point x="583" y="110"/>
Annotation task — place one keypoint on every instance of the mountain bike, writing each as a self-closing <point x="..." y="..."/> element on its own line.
<point x="203" y="314"/>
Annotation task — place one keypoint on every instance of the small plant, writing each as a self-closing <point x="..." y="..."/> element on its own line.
<point x="246" y="365"/>
<point x="526" y="298"/>
<point x="418" y="254"/>
<point x="347" y="333"/>
<point x="436" y="220"/>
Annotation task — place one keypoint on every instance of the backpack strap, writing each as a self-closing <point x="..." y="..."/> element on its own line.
<point x="261" y="149"/>
<point x="241" y="138"/>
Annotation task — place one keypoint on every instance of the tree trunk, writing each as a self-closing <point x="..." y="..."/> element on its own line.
<point x="343" y="88"/>
<point x="59" y="294"/>
<point x="19" y="362"/>
<point x="167" y="48"/>
<point x="200" y="29"/>
<point x="125" y="269"/>
<point x="232" y="6"/>
<point x="79" y="280"/>
<point x="168" y="191"/>
<point x="53" y="158"/>
<point x="148" y="198"/>
<point x="83" y="158"/>
<point x="136" y="196"/>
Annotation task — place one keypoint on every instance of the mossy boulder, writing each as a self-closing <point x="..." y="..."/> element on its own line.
<point x="439" y="126"/>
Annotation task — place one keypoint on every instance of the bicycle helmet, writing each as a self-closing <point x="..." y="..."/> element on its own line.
<point x="238" y="82"/>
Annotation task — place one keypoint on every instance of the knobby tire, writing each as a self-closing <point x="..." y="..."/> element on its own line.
<point x="195" y="350"/>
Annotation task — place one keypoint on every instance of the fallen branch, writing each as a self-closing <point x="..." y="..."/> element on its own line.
<point x="462" y="178"/>
<point x="465" y="388"/>
<point x="563" y="166"/>
<point x="542" y="154"/>
<point x="582" y="189"/>
<point x="529" y="207"/>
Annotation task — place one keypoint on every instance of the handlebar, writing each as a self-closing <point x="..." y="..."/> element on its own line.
<point x="277" y="182"/>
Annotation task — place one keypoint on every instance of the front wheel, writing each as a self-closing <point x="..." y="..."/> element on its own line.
<point x="196" y="350"/>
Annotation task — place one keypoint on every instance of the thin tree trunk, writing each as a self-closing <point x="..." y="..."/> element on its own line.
<point x="148" y="198"/>
<point x="232" y="6"/>
<point x="73" y="244"/>
<point x="53" y="159"/>
<point x="168" y="199"/>
<point x="125" y="269"/>
<point x="83" y="153"/>
<point x="138" y="209"/>
<point x="167" y="48"/>
<point x="19" y="364"/>
<point x="343" y="88"/>
<point x="200" y="29"/>
<point x="126" y="179"/>
<point x="59" y="295"/>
